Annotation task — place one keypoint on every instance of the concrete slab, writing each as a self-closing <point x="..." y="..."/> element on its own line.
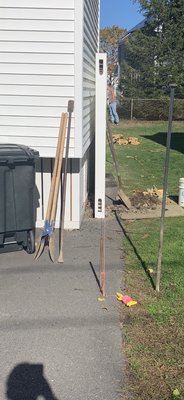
<point x="57" y="340"/>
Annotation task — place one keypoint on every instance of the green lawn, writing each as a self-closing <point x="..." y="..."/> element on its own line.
<point x="144" y="238"/>
<point x="142" y="166"/>
<point x="153" y="330"/>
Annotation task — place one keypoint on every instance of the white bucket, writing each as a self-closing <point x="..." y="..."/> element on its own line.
<point x="181" y="192"/>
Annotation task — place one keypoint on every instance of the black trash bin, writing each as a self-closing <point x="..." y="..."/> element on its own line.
<point x="17" y="203"/>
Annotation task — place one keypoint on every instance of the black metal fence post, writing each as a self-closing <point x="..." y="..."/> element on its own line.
<point x="165" y="183"/>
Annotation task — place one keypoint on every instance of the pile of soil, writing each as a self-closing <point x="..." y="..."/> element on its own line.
<point x="119" y="139"/>
<point x="145" y="200"/>
<point x="141" y="201"/>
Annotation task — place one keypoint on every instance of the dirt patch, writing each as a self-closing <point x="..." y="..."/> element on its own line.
<point x="144" y="200"/>
<point x="121" y="140"/>
<point x="141" y="201"/>
<point x="144" y="204"/>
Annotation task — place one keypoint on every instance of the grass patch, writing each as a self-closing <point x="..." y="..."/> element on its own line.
<point x="142" y="166"/>
<point x="153" y="330"/>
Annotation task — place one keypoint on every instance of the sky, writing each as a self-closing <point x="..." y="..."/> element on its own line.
<point x="123" y="13"/>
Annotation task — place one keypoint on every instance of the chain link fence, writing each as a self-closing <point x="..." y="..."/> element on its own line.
<point x="149" y="109"/>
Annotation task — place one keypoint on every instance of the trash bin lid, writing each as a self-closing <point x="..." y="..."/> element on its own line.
<point x="15" y="153"/>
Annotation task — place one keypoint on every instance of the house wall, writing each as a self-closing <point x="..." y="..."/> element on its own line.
<point x="73" y="212"/>
<point x="90" y="48"/>
<point x="36" y="71"/>
<point x="47" y="57"/>
<point x="87" y="29"/>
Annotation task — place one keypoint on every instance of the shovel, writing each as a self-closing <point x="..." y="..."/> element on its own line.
<point x="48" y="228"/>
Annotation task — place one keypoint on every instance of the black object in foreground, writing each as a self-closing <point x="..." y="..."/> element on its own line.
<point x="17" y="198"/>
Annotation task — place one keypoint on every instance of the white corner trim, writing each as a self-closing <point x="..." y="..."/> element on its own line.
<point x="78" y="70"/>
<point x="100" y="134"/>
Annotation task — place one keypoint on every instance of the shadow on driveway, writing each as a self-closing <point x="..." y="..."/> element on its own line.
<point x="27" y="382"/>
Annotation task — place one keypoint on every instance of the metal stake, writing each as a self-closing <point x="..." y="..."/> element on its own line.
<point x="165" y="183"/>
<point x="131" y="109"/>
<point x="102" y="258"/>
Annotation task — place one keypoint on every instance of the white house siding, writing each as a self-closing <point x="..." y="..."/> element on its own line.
<point x="73" y="211"/>
<point x="90" y="48"/>
<point x="47" y="57"/>
<point x="36" y="71"/>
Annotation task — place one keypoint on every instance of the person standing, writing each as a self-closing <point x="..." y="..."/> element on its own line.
<point x="111" y="97"/>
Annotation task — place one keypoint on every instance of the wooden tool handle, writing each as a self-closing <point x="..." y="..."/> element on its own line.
<point x="111" y="145"/>
<point x="49" y="206"/>
<point x="70" y="110"/>
<point x="58" y="173"/>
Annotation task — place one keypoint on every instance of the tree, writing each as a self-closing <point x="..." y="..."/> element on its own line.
<point x="109" y="38"/>
<point x="155" y="54"/>
<point x="138" y="69"/>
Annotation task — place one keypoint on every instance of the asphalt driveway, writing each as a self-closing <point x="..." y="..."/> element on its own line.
<point x="57" y="340"/>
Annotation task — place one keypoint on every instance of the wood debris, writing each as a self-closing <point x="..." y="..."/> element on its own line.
<point x="154" y="192"/>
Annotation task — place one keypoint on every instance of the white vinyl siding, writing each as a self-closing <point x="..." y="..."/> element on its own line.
<point x="47" y="57"/>
<point x="90" y="48"/>
<point x="29" y="4"/>
<point x="36" y="71"/>
<point x="44" y="169"/>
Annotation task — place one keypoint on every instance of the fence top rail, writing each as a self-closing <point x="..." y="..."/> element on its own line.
<point x="136" y="98"/>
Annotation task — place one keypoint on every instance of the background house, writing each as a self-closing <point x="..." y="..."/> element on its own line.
<point x="48" y="56"/>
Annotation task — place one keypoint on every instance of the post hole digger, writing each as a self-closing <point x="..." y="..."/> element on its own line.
<point x="47" y="234"/>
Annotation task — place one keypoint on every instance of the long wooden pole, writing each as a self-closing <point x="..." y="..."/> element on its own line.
<point x="165" y="183"/>
<point x="47" y="229"/>
<point x="56" y="189"/>
<point x="121" y="193"/>
<point x="70" y="111"/>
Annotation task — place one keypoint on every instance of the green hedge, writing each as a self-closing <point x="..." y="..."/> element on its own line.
<point x="150" y="109"/>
